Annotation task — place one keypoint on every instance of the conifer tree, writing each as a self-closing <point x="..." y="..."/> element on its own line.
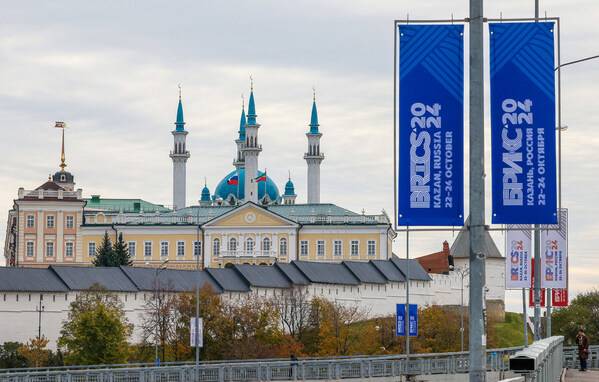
<point x="121" y="252"/>
<point x="105" y="254"/>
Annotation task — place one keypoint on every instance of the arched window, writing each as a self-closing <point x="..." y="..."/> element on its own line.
<point x="283" y="247"/>
<point x="216" y="247"/>
<point x="266" y="244"/>
<point x="232" y="244"/>
<point x="249" y="244"/>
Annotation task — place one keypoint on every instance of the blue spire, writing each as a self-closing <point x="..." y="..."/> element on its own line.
<point x="252" y="106"/>
<point x="242" y="123"/>
<point x="180" y="124"/>
<point x="314" y="119"/>
<point x="205" y="194"/>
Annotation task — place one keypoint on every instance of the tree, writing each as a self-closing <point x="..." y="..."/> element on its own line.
<point x="96" y="330"/>
<point x="105" y="254"/>
<point x="294" y="308"/>
<point x="121" y="252"/>
<point x="583" y="312"/>
<point x="35" y="352"/>
<point x="10" y="356"/>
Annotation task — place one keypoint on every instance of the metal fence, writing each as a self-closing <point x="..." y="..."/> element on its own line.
<point x="542" y="361"/>
<point x="274" y="370"/>
<point x="571" y="360"/>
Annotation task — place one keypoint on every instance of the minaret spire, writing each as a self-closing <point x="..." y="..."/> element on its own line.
<point x="314" y="157"/>
<point x="179" y="155"/>
<point x="251" y="149"/>
<point x="238" y="162"/>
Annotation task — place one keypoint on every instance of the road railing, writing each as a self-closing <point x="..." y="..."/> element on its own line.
<point x="540" y="362"/>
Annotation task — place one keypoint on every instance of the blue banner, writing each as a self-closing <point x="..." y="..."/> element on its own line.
<point x="400" y="322"/>
<point x="431" y="125"/>
<point x="523" y="123"/>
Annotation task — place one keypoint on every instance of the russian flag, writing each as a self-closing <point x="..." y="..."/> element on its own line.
<point x="234" y="180"/>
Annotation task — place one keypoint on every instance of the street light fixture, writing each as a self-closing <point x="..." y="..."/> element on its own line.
<point x="462" y="272"/>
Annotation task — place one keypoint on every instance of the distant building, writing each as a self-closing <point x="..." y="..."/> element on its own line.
<point x="245" y="221"/>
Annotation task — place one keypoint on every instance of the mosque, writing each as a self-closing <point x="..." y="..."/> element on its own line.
<point x="245" y="221"/>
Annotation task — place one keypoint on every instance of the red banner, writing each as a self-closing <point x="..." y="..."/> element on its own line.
<point x="559" y="297"/>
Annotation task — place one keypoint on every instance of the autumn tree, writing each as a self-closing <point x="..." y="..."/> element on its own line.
<point x="293" y="309"/>
<point x="96" y="330"/>
<point x="35" y="352"/>
<point x="438" y="330"/>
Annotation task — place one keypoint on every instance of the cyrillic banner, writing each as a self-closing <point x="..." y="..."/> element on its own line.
<point x="531" y="291"/>
<point x="523" y="123"/>
<point x="554" y="254"/>
<point x="518" y="245"/>
<point x="431" y="125"/>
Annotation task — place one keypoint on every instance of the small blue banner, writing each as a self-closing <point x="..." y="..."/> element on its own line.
<point x="400" y="322"/>
<point x="431" y="125"/>
<point x="523" y="123"/>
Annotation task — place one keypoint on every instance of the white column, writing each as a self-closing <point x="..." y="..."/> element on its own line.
<point x="59" y="236"/>
<point x="41" y="223"/>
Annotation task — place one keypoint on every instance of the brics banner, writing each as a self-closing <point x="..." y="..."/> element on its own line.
<point x="518" y="246"/>
<point x="523" y="123"/>
<point x="554" y="254"/>
<point x="431" y="125"/>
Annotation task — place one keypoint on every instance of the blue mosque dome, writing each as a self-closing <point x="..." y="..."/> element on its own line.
<point x="205" y="194"/>
<point x="289" y="188"/>
<point x="224" y="190"/>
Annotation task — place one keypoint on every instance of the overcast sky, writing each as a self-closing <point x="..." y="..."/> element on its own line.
<point x="110" y="69"/>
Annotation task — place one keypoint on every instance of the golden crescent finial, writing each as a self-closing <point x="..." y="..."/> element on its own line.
<point x="313" y="93"/>
<point x="251" y="83"/>
<point x="179" y="86"/>
<point x="242" y="101"/>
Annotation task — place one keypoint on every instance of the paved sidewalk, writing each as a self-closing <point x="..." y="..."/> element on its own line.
<point x="573" y="375"/>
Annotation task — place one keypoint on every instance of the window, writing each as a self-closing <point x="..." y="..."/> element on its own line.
<point x="68" y="249"/>
<point x="132" y="249"/>
<point x="232" y="244"/>
<point x="180" y="248"/>
<point x="283" y="247"/>
<point x="197" y="248"/>
<point x="91" y="249"/>
<point x="70" y="221"/>
<point x="49" y="249"/>
<point x="50" y="221"/>
<point x="320" y="247"/>
<point x="337" y="248"/>
<point x="216" y="247"/>
<point x="164" y="249"/>
<point x="371" y="247"/>
<point x="304" y="248"/>
<point x="249" y="244"/>
<point x="355" y="248"/>
<point x="148" y="249"/>
<point x="30" y="221"/>
<point x="30" y="250"/>
<point x="266" y="244"/>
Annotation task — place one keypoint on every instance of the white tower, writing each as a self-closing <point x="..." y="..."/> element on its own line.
<point x="314" y="157"/>
<point x="179" y="155"/>
<point x="251" y="150"/>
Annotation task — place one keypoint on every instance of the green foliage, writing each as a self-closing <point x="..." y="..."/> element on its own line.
<point x="10" y="356"/>
<point x="582" y="312"/>
<point x="35" y="352"/>
<point x="104" y="254"/>
<point x="96" y="330"/>
<point x="109" y="255"/>
<point x="508" y="333"/>
<point x="121" y="252"/>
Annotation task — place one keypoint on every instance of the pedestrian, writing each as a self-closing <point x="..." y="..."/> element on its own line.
<point x="583" y="349"/>
<point x="293" y="368"/>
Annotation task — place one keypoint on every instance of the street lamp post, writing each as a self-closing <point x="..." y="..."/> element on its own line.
<point x="39" y="310"/>
<point x="463" y="272"/>
<point x="157" y="271"/>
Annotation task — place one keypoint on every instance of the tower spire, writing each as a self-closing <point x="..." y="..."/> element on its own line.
<point x="179" y="156"/>
<point x="180" y="123"/>
<point x="314" y="156"/>
<point x="251" y="149"/>
<point x="61" y="125"/>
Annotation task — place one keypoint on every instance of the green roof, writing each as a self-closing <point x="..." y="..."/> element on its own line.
<point x="123" y="205"/>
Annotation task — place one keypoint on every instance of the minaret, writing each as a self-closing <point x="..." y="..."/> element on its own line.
<point x="239" y="162"/>
<point x="289" y="195"/>
<point x="251" y="150"/>
<point x="205" y="196"/>
<point x="179" y="155"/>
<point x="314" y="157"/>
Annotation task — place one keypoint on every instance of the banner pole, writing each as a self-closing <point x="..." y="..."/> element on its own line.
<point x="477" y="335"/>
<point x="407" y="317"/>
<point x="525" y="317"/>
<point x="548" y="312"/>
<point x="537" y="238"/>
